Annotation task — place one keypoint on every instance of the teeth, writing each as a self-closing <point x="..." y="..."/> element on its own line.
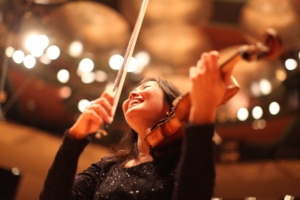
<point x="134" y="102"/>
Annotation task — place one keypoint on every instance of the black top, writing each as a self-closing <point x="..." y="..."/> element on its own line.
<point x="164" y="178"/>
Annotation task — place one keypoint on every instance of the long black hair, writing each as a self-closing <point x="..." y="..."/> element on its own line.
<point x="127" y="147"/>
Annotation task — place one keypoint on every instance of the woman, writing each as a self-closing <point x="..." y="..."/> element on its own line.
<point x="133" y="172"/>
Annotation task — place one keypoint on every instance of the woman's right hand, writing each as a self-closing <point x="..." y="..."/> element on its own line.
<point x="91" y="119"/>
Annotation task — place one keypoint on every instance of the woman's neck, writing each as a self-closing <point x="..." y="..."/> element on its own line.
<point x="143" y="148"/>
<point x="143" y="153"/>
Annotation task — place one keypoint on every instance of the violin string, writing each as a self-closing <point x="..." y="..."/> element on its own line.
<point x="119" y="82"/>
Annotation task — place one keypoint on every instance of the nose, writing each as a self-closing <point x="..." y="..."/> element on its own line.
<point x="133" y="94"/>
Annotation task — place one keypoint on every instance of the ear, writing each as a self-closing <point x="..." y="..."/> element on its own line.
<point x="167" y="109"/>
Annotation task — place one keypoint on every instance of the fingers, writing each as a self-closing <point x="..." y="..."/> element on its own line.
<point x="213" y="61"/>
<point x="91" y="119"/>
<point x="102" y="107"/>
<point x="208" y="61"/>
<point x="207" y="88"/>
<point x="207" y="64"/>
<point x="99" y="112"/>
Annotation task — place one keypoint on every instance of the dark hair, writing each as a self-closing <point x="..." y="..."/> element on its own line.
<point x="127" y="147"/>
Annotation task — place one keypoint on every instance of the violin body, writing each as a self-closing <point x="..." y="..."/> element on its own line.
<point x="170" y="130"/>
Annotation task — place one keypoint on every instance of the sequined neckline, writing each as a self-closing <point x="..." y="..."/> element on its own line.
<point x="135" y="165"/>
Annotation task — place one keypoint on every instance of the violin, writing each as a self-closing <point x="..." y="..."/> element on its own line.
<point x="170" y="129"/>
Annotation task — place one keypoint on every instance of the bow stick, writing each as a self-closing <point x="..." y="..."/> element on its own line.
<point x="120" y="79"/>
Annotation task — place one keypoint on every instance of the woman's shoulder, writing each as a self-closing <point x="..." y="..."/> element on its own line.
<point x="107" y="160"/>
<point x="102" y="165"/>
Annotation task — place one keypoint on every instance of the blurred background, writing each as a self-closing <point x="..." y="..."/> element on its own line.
<point x="58" y="55"/>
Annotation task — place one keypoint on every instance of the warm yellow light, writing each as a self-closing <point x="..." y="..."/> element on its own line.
<point x="36" y="44"/>
<point x="75" y="48"/>
<point x="88" y="77"/>
<point x="274" y="108"/>
<point x="9" y="51"/>
<point x="290" y="64"/>
<point x="29" y="61"/>
<point x="242" y="114"/>
<point x="257" y="112"/>
<point x="18" y="56"/>
<point x="63" y="76"/>
<point x="53" y="52"/>
<point x="115" y="61"/>
<point x="82" y="104"/>
<point x="86" y="65"/>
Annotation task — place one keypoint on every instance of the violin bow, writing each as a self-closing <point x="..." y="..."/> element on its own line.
<point x="121" y="76"/>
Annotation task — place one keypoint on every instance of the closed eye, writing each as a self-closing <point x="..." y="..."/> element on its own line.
<point x="146" y="86"/>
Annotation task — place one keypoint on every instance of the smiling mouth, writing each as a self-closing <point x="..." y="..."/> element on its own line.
<point x="134" y="102"/>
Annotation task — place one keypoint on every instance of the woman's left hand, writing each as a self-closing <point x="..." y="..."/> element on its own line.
<point x="207" y="90"/>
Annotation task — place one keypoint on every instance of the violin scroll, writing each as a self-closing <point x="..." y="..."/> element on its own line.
<point x="270" y="49"/>
<point x="274" y="43"/>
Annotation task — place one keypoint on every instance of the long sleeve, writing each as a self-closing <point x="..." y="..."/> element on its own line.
<point x="196" y="167"/>
<point x="59" y="181"/>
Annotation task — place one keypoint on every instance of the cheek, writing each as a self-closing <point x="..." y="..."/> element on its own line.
<point x="125" y="105"/>
<point x="158" y="104"/>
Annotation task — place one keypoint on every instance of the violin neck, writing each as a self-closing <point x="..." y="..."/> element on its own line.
<point x="227" y="67"/>
<point x="241" y="54"/>
<point x="229" y="64"/>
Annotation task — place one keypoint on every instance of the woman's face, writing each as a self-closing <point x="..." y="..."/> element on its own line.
<point x="145" y="105"/>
